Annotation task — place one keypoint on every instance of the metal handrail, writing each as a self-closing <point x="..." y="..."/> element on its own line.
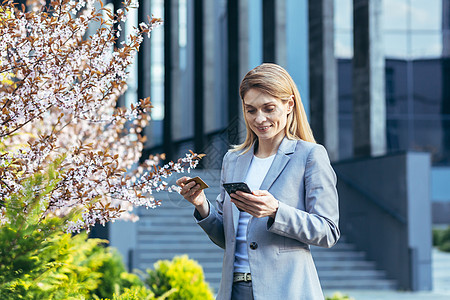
<point x="371" y="198"/>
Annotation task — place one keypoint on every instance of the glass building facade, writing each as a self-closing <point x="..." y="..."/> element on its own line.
<point x="415" y="43"/>
<point x="415" y="37"/>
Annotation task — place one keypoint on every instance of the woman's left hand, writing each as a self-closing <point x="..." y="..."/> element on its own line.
<point x="258" y="204"/>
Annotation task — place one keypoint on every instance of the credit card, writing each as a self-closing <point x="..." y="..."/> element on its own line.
<point x="199" y="181"/>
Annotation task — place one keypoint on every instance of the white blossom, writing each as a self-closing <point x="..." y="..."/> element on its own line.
<point x="62" y="107"/>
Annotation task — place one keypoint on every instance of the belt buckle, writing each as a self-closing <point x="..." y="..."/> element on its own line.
<point x="245" y="277"/>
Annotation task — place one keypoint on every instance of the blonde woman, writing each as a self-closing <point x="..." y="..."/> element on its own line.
<point x="266" y="234"/>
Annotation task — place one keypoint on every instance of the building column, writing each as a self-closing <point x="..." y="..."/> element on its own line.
<point x="369" y="105"/>
<point x="199" y="103"/>
<point x="280" y="37"/>
<point x="144" y="66"/>
<point x="445" y="104"/>
<point x="323" y="76"/>
<point x="268" y="20"/>
<point x="237" y="34"/>
<point x="274" y="31"/>
<point x="209" y="58"/>
<point x="171" y="67"/>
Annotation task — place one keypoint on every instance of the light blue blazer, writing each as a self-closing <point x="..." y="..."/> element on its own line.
<point x="303" y="181"/>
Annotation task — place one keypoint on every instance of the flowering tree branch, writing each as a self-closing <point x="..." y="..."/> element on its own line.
<point x="58" y="94"/>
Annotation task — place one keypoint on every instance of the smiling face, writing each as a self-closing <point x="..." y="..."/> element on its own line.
<point x="266" y="116"/>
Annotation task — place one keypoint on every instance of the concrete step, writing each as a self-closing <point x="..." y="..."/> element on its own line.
<point x="196" y="254"/>
<point x="338" y="246"/>
<point x="176" y="243"/>
<point x="351" y="274"/>
<point x="360" y="284"/>
<point x="192" y="228"/>
<point x="148" y="261"/>
<point x="180" y="206"/>
<point x="167" y="238"/>
<point x="345" y="265"/>
<point x="339" y="255"/>
<point x="187" y="247"/>
<point x="174" y="221"/>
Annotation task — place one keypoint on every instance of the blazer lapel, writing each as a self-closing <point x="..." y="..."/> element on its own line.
<point x="240" y="171"/>
<point x="279" y="162"/>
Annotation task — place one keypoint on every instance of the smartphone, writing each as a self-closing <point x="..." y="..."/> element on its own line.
<point x="232" y="187"/>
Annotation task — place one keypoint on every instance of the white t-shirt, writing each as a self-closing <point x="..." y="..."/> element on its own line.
<point x="255" y="176"/>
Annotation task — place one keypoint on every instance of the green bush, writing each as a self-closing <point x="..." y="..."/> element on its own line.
<point x="39" y="261"/>
<point x="135" y="293"/>
<point x="140" y="293"/>
<point x="339" y="296"/>
<point x="437" y="237"/>
<point x="441" y="239"/>
<point x="115" y="279"/>
<point x="183" y="276"/>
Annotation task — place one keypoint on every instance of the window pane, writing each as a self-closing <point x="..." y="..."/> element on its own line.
<point x="345" y="86"/>
<point x="427" y="86"/>
<point x="426" y="14"/>
<point x="397" y="134"/>
<point x="426" y="45"/>
<point x="394" y="15"/>
<point x="345" y="137"/>
<point x="157" y="67"/>
<point x="395" y="45"/>
<point x="429" y="136"/>
<point x="396" y="87"/>
<point x="444" y="156"/>
<point x="343" y="14"/>
<point x="343" y="44"/>
<point x="446" y="43"/>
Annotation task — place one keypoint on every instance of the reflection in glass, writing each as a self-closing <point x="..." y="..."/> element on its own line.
<point x="427" y="85"/>
<point x="343" y="44"/>
<point x="426" y="45"/>
<point x="157" y="65"/>
<point x="345" y="136"/>
<point x="395" y="45"/>
<point x="395" y="15"/>
<point x="343" y="14"/>
<point x="428" y="137"/>
<point x="396" y="87"/>
<point x="426" y="14"/>
<point x="397" y="134"/>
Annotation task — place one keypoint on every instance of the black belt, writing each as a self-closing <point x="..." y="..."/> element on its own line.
<point x="237" y="277"/>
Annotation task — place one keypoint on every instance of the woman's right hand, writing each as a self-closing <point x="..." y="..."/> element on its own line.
<point x="191" y="192"/>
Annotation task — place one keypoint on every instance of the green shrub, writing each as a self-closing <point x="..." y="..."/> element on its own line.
<point x="445" y="240"/>
<point x="39" y="261"/>
<point x="115" y="279"/>
<point x="339" y="296"/>
<point x="437" y="236"/>
<point x="441" y="239"/>
<point x="135" y="293"/>
<point x="140" y="293"/>
<point x="182" y="275"/>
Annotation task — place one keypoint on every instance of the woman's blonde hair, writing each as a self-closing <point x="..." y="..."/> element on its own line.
<point x="276" y="81"/>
